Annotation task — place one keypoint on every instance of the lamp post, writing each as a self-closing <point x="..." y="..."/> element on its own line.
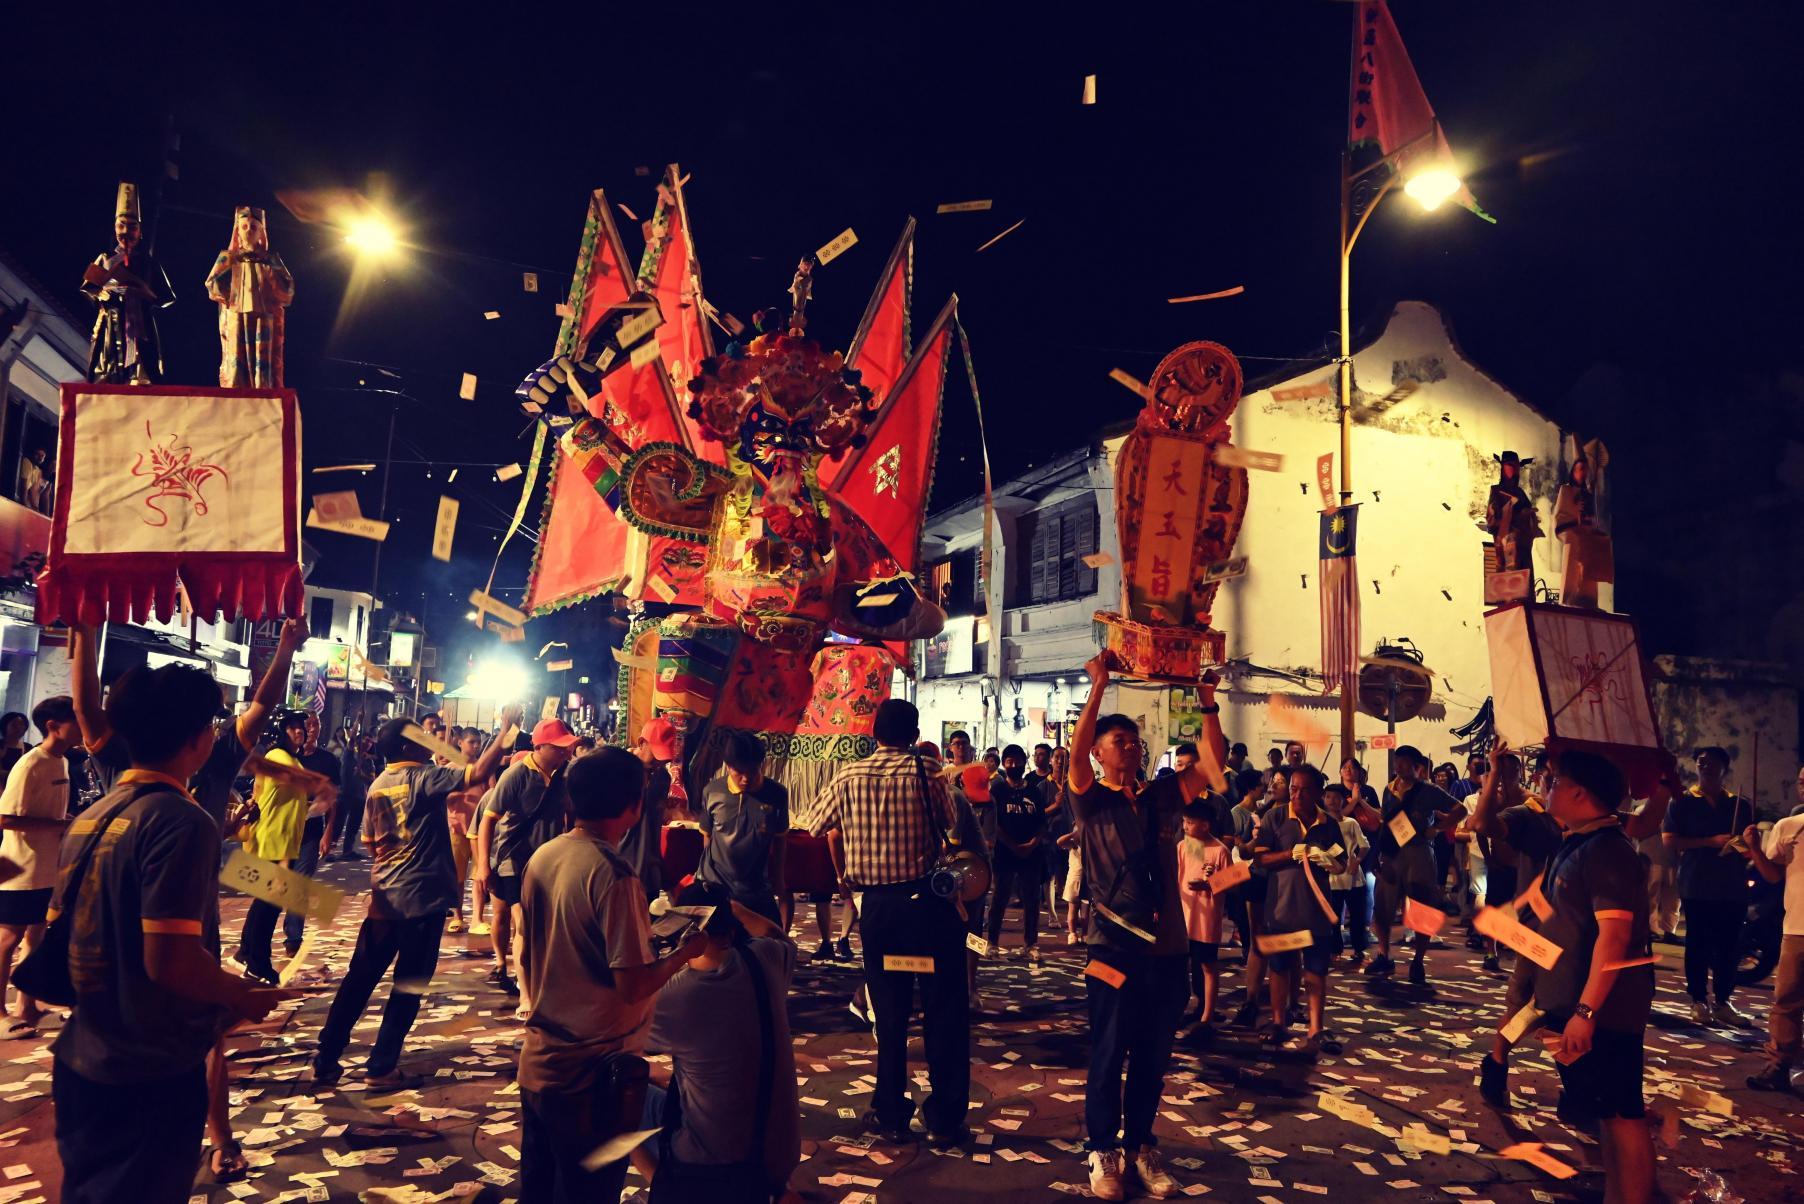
<point x="1428" y="187"/>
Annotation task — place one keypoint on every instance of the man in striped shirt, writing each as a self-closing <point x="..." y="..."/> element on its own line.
<point x="895" y="812"/>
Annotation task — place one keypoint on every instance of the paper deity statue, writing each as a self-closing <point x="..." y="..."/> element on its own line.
<point x="252" y="287"/>
<point x="1510" y="516"/>
<point x="1590" y="558"/>
<point x="768" y="565"/>
<point x="127" y="286"/>
<point x="1178" y="512"/>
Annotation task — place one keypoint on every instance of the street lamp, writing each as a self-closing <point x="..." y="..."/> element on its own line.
<point x="1431" y="187"/>
<point x="1431" y="184"/>
<point x="372" y="234"/>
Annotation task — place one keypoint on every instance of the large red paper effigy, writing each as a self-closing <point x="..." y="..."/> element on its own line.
<point x="165" y="489"/>
<point x="776" y="517"/>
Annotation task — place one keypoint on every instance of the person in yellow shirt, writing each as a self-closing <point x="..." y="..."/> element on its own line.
<point x="275" y="835"/>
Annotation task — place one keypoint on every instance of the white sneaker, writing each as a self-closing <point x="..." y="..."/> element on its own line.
<point x="1726" y="1015"/>
<point x="1105" y="1175"/>
<point x="1150" y="1169"/>
<point x="1700" y="1012"/>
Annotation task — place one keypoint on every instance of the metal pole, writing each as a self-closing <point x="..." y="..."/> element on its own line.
<point x="369" y="627"/>
<point x="1346" y="414"/>
<point x="388" y="458"/>
<point x="1390" y="725"/>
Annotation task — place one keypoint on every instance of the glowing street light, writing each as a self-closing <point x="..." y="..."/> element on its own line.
<point x="1431" y="186"/>
<point x="372" y="235"/>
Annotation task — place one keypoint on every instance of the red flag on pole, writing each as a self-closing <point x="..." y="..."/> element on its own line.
<point x="582" y="543"/>
<point x="608" y="283"/>
<point x="1388" y="107"/>
<point x="879" y="348"/>
<point x="886" y="481"/>
<point x="671" y="273"/>
<point x="1339" y="570"/>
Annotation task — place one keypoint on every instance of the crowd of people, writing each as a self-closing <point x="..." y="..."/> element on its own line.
<point x="552" y="847"/>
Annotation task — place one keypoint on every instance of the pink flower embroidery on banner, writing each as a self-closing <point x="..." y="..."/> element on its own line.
<point x="173" y="473"/>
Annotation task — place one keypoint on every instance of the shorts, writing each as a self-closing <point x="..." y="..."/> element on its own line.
<point x="1521" y="988"/>
<point x="1074" y="879"/>
<point x="1202" y="952"/>
<point x="1409" y="874"/>
<point x="24" y="908"/>
<point x="1606" y="1083"/>
<point x="506" y="889"/>
<point x="461" y="852"/>
<point x="1315" y="958"/>
<point x="1500" y="885"/>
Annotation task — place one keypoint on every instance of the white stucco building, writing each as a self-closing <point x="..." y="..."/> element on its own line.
<point x="1428" y="424"/>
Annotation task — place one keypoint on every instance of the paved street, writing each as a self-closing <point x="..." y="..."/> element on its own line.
<point x="1237" y="1123"/>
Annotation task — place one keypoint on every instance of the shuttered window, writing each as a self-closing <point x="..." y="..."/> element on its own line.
<point x="1057" y="539"/>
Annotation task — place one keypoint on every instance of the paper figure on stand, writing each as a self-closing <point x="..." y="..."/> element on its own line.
<point x="1510" y="516"/>
<point x="252" y="287"/>
<point x="1590" y="557"/>
<point x="773" y="521"/>
<point x="1180" y="506"/>
<point x="128" y="286"/>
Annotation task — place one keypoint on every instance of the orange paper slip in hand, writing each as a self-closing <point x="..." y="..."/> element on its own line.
<point x="1495" y="922"/>
<point x="1103" y="972"/>
<point x="1284" y="942"/>
<point x="1420" y="917"/>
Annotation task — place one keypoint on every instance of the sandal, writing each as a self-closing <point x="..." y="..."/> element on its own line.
<point x="227" y="1163"/>
<point x="456" y="924"/>
<point x="17" y="1029"/>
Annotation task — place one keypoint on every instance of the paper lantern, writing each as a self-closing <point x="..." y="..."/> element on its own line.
<point x="1568" y="678"/>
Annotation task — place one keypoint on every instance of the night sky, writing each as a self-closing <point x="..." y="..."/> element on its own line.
<point x="1634" y="156"/>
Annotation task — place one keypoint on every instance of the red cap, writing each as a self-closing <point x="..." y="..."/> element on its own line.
<point x="662" y="735"/>
<point x="976" y="780"/>
<point x="554" y="733"/>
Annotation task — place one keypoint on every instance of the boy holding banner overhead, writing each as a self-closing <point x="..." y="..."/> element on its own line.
<point x="1137" y="976"/>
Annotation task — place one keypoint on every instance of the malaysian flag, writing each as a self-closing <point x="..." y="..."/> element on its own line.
<point x="1340" y="598"/>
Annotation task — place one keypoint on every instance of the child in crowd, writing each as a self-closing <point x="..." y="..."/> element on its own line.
<point x="1200" y="855"/>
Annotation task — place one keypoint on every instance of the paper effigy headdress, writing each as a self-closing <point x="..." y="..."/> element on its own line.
<point x="786" y="376"/>
<point x="126" y="204"/>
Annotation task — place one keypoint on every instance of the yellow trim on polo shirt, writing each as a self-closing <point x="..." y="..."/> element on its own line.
<point x="132" y="777"/>
<point x="1614" y="913"/>
<point x="171" y="927"/>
